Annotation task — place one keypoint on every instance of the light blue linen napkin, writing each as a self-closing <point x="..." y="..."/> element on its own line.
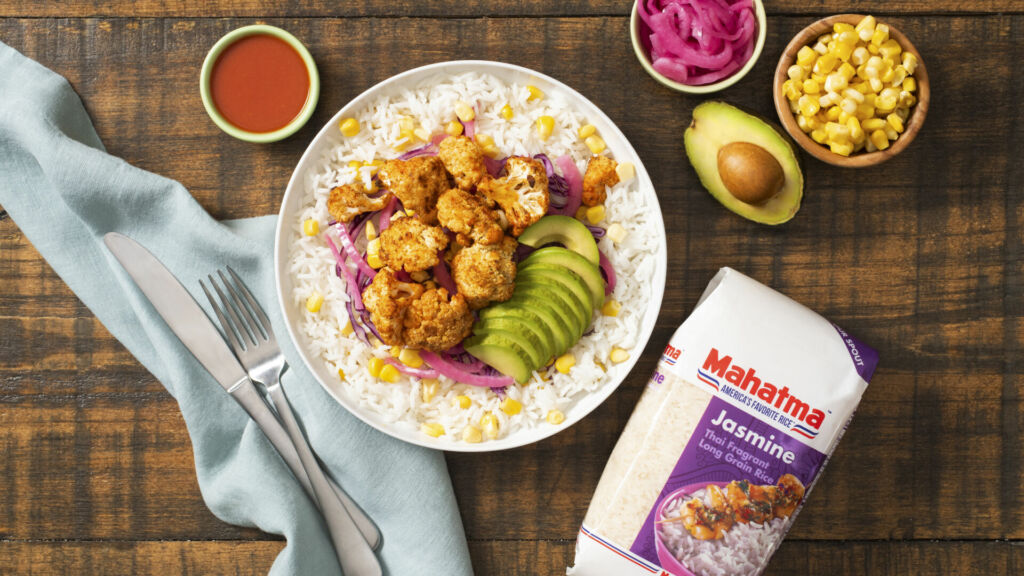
<point x="65" y="192"/>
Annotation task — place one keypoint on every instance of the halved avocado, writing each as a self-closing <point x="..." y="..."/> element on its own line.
<point x="560" y="274"/>
<point x="567" y="231"/>
<point x="542" y="323"/>
<point x="561" y="301"/>
<point x="764" y="169"/>
<point x="533" y="309"/>
<point x="530" y="337"/>
<point x="562" y="257"/>
<point x="551" y="286"/>
<point x="501" y="353"/>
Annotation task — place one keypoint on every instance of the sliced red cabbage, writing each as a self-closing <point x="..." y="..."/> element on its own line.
<point x="443" y="277"/>
<point x="574" y="186"/>
<point x="410" y="371"/>
<point x="608" y="271"/>
<point x="350" y="250"/>
<point x="460" y="374"/>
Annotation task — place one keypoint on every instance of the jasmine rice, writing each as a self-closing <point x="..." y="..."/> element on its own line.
<point x="434" y="406"/>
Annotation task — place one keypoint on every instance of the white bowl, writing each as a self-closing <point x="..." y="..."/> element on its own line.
<point x="292" y="204"/>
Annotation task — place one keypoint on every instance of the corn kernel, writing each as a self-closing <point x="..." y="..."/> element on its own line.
<point x="535" y="93"/>
<point x="355" y="164"/>
<point x="847" y="71"/>
<point x="866" y="24"/>
<point x="347" y="329"/>
<point x="791" y="88"/>
<point x="910" y="62"/>
<point x="625" y="171"/>
<point x="395" y="351"/>
<point x="879" y="140"/>
<point x="808" y="107"/>
<point x="595" y="213"/>
<point x="806" y="124"/>
<point x="565" y="362"/>
<point x="349" y="127"/>
<point x="611" y="308"/>
<point x="819" y="135"/>
<point x="507" y="113"/>
<point x="872" y="124"/>
<point x="511" y="406"/>
<point x="859" y="56"/>
<point x="832" y="114"/>
<point x="410" y="358"/>
<point x="825" y="64"/>
<point x="795" y="73"/>
<point x="837" y="132"/>
<point x="422" y="133"/>
<point x="856" y="131"/>
<point x="545" y="125"/>
<point x="489" y="423"/>
<point x="616" y="233"/>
<point x="462" y="401"/>
<point x="906" y="98"/>
<point x="595" y="143"/>
<point x="581" y="213"/>
<point x="555" y="417"/>
<point x="314" y="302"/>
<point x="483" y="140"/>
<point x="881" y="36"/>
<point x="374" y="261"/>
<point x="618" y="355"/>
<point x="811" y="86"/>
<point x="389" y="373"/>
<point x="587" y="130"/>
<point x="896" y="122"/>
<point x="910" y="84"/>
<point x="844" y="117"/>
<point x="806" y="56"/>
<point x="341" y="374"/>
<point x="472" y="435"/>
<point x="453" y="128"/>
<point x="820" y="47"/>
<point x="310" y="227"/>
<point x="841" y="148"/>
<point x="432" y="429"/>
<point x="371" y="231"/>
<point x="428" y="388"/>
<point x="872" y="49"/>
<point x="464" y="111"/>
<point x="375" y="366"/>
<point x="848" y="106"/>
<point x="890" y="49"/>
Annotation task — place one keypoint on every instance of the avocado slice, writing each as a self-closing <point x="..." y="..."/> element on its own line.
<point x="561" y="303"/>
<point x="567" y="231"/>
<point x="561" y="274"/>
<point x="532" y="321"/>
<point x="534" y="310"/>
<point x="773" y="188"/>
<point x="576" y="297"/>
<point x="528" y="337"/>
<point x="501" y="353"/>
<point x="562" y="257"/>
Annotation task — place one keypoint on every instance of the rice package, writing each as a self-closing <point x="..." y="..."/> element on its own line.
<point x="751" y="396"/>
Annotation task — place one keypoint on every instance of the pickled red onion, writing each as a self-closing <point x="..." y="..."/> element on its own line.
<point x="698" y="41"/>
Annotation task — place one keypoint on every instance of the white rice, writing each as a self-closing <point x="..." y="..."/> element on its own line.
<point x="743" y="550"/>
<point x="312" y="265"/>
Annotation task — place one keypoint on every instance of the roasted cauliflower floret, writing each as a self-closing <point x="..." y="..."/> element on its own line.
<point x="600" y="173"/>
<point x="464" y="161"/>
<point x="435" y="323"/>
<point x="410" y="245"/>
<point x="469" y="217"/>
<point x="388" y="300"/>
<point x="417" y="182"/>
<point x="522" y="193"/>
<point x="348" y="201"/>
<point x="485" y="273"/>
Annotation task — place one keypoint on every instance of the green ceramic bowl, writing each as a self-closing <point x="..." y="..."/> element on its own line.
<point x="645" y="58"/>
<point x="259" y="137"/>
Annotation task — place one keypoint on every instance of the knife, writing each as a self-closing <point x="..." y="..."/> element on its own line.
<point x="191" y="325"/>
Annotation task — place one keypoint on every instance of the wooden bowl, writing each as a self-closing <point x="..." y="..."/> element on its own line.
<point x="807" y="37"/>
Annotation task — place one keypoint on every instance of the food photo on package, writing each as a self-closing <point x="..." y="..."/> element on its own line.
<point x="748" y="401"/>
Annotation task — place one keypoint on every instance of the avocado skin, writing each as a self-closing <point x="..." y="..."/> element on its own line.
<point x="501" y="353"/>
<point x="570" y="232"/>
<point x="716" y="124"/>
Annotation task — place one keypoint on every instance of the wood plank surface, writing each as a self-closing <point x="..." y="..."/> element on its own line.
<point x="919" y="257"/>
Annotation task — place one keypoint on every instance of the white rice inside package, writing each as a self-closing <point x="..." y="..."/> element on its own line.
<point x="747" y="403"/>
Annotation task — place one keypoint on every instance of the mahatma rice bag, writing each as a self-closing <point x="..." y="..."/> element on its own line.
<point x="748" y="401"/>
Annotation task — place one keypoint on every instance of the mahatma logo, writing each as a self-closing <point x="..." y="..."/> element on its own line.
<point x="718" y="366"/>
<point x="670" y="355"/>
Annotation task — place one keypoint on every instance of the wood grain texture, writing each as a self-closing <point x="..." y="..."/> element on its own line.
<point x="919" y="257"/>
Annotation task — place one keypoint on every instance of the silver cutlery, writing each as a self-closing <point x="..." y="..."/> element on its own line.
<point x="195" y="330"/>
<point x="251" y="336"/>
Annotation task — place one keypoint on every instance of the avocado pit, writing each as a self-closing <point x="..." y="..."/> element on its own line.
<point x="750" y="173"/>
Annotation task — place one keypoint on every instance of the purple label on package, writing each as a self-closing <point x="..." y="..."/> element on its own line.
<point x="736" y="472"/>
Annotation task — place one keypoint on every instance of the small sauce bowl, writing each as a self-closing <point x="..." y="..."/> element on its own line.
<point x="276" y="133"/>
<point x="636" y="24"/>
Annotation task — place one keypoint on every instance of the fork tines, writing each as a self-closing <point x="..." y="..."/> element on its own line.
<point x="245" y="324"/>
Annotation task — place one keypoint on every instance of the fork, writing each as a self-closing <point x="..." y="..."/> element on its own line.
<point x="252" y="338"/>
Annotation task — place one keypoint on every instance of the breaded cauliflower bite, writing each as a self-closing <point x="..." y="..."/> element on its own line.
<point x="410" y="245"/>
<point x="470" y="217"/>
<point x="388" y="300"/>
<point x="464" y="161"/>
<point x="600" y="173"/>
<point x="522" y="193"/>
<point x="417" y="182"/>
<point x="436" y="323"/>
<point x="485" y="273"/>
<point x="348" y="201"/>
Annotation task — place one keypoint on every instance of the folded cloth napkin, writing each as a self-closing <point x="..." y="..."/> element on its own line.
<point x="65" y="192"/>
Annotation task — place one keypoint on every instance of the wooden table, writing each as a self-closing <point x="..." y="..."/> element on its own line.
<point x="922" y="257"/>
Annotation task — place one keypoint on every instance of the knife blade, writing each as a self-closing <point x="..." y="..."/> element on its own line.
<point x="193" y="327"/>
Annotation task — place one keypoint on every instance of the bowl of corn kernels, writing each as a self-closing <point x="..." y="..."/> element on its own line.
<point x="851" y="90"/>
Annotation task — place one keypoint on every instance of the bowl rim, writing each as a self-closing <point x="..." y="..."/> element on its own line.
<point x="645" y="60"/>
<point x="295" y="190"/>
<point x="312" y="96"/>
<point x="860" y="160"/>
